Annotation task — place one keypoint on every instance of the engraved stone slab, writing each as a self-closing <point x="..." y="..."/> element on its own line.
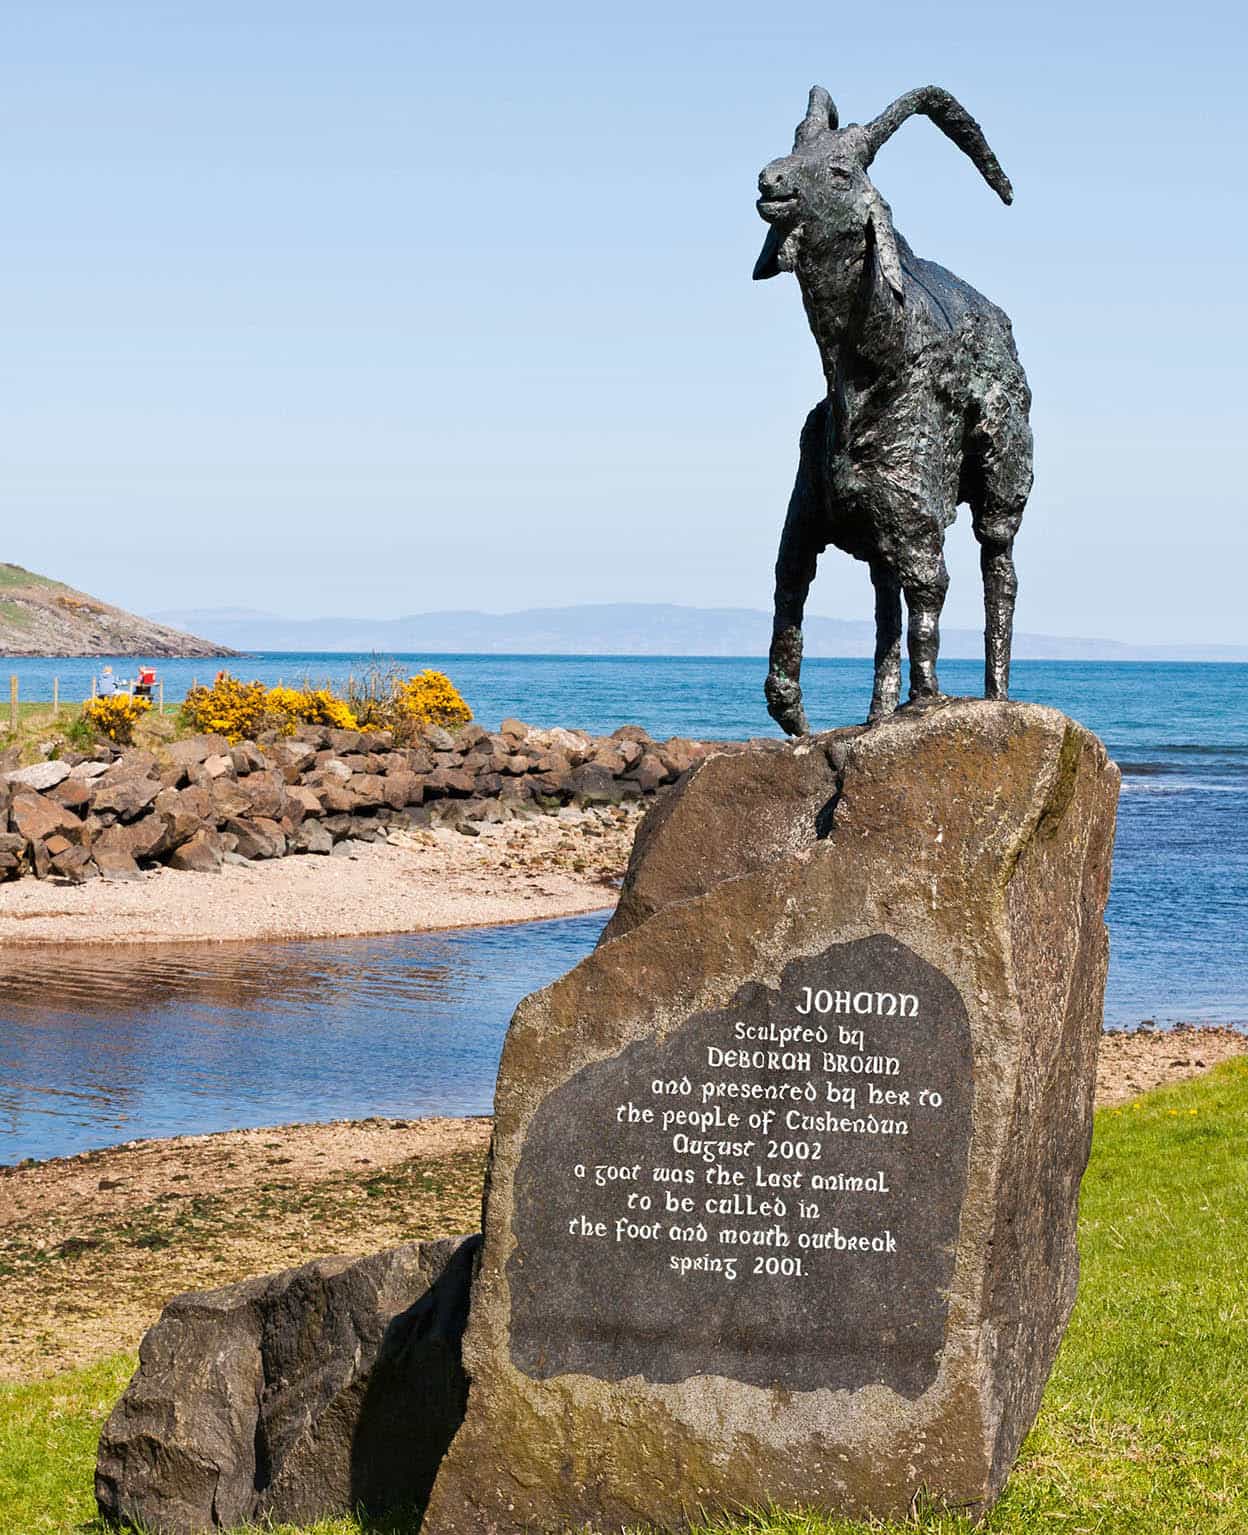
<point x="781" y="1171"/>
<point x="784" y="1180"/>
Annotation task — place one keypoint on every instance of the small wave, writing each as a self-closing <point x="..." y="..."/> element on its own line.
<point x="1198" y="749"/>
<point x="1132" y="787"/>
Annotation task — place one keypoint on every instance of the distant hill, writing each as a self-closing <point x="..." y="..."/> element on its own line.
<point x="627" y="628"/>
<point x="42" y="617"/>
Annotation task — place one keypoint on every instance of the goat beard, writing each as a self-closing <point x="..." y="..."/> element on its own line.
<point x="779" y="253"/>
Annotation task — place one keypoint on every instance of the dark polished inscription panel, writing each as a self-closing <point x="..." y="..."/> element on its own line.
<point x="772" y="1195"/>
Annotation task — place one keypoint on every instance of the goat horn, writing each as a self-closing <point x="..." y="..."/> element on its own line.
<point x="821" y="115"/>
<point x="953" y="120"/>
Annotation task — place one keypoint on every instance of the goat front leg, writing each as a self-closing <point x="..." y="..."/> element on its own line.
<point x="996" y="563"/>
<point x="800" y="548"/>
<point x="925" y="586"/>
<point x="887" y="688"/>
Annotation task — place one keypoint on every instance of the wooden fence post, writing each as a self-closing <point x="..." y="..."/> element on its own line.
<point x="56" y="695"/>
<point x="160" y="693"/>
<point x="13" y="703"/>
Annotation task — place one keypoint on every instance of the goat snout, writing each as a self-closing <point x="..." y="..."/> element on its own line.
<point x="777" y="187"/>
<point x="776" y="181"/>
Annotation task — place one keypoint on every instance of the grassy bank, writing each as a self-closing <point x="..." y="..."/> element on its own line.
<point x="1144" y="1429"/>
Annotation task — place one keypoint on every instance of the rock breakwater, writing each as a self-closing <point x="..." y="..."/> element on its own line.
<point x="200" y="802"/>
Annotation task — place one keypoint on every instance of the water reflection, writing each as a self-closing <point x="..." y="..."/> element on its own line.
<point x="99" y="1046"/>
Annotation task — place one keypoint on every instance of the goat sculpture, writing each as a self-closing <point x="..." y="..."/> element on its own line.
<point x="926" y="405"/>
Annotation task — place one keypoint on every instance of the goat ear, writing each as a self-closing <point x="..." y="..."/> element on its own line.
<point x="772" y="259"/>
<point x="884" y="244"/>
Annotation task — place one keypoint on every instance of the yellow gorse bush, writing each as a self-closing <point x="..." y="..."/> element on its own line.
<point x="228" y="708"/>
<point x="115" y="716"/>
<point x="243" y="710"/>
<point x="289" y="707"/>
<point x="431" y="698"/>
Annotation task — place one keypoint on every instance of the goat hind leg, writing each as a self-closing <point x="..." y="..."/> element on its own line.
<point x="996" y="562"/>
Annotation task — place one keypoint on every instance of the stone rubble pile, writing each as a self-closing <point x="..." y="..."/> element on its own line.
<point x="198" y="803"/>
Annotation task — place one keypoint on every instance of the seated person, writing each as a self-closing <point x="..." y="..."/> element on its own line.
<point x="107" y="684"/>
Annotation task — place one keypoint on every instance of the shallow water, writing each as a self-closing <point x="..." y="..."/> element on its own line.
<point x="98" y="1048"/>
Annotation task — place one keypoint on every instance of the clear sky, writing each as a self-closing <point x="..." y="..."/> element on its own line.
<point x="380" y="308"/>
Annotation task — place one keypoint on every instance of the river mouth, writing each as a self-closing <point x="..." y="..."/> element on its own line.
<point x="103" y="1045"/>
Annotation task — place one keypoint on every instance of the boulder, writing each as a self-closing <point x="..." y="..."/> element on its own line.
<point x="200" y="854"/>
<point x="401" y="789"/>
<point x="679" y="755"/>
<point x="631" y="733"/>
<point x="592" y="784"/>
<point x="40" y="775"/>
<point x="196" y="749"/>
<point x="88" y="771"/>
<point x="297" y="1397"/>
<point x="515" y="730"/>
<point x="186" y="812"/>
<point x="36" y="818"/>
<point x="449" y="781"/>
<point x="75" y="865"/>
<point x="336" y="797"/>
<point x="437" y="739"/>
<point x="134" y="762"/>
<point x="73" y="793"/>
<point x="469" y="737"/>
<point x="248" y="758"/>
<point x="341" y="741"/>
<point x="610" y="758"/>
<point x="311" y="837"/>
<point x="853" y="1078"/>
<point x="13" y="855"/>
<point x="148" y="837"/>
<point x="219" y="766"/>
<point x="256" y="838"/>
<point x="308" y="800"/>
<point x="228" y="797"/>
<point x="115" y="863"/>
<point x="369" y="790"/>
<point x="649" y="774"/>
<point x="124" y="797"/>
<point x="574" y="744"/>
<point x="264" y="791"/>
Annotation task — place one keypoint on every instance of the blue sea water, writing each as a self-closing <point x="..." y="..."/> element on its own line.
<point x="178" y="1041"/>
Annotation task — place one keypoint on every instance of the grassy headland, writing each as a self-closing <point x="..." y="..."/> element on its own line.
<point x="1144" y="1429"/>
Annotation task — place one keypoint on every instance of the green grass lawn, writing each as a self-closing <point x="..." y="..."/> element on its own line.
<point x="1144" y="1429"/>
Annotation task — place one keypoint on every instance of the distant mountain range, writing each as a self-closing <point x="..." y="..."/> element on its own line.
<point x="623" y="628"/>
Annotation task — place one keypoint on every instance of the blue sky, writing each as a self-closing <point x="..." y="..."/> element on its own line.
<point x="379" y="309"/>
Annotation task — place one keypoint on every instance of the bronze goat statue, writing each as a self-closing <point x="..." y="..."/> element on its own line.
<point x="926" y="405"/>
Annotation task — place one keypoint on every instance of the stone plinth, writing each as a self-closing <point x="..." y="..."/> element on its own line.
<point x="785" y="1175"/>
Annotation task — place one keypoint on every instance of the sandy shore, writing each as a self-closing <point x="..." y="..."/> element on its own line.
<point x="92" y="1246"/>
<point x="550" y="866"/>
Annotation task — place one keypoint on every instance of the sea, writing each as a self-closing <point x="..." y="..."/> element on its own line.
<point x="103" y="1046"/>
